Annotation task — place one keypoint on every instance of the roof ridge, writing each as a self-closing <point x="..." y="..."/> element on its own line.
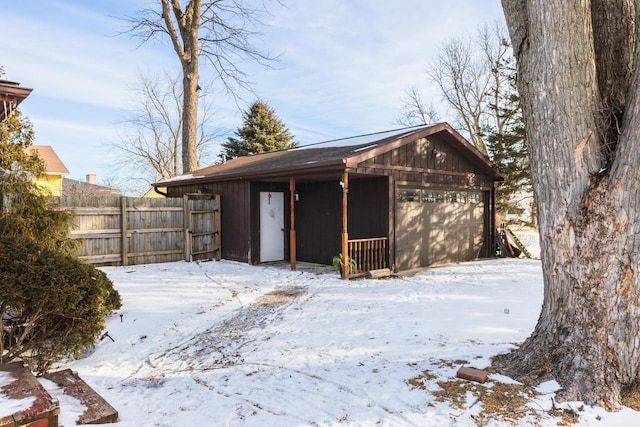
<point x="416" y="127"/>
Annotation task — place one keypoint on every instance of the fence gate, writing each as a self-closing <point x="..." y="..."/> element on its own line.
<point x="133" y="230"/>
<point x="202" y="226"/>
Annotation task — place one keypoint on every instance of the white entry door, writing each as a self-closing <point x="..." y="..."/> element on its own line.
<point x="271" y="226"/>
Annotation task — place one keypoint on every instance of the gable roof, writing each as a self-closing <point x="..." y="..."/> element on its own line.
<point x="329" y="156"/>
<point x="52" y="163"/>
<point x="72" y="187"/>
<point x="11" y="94"/>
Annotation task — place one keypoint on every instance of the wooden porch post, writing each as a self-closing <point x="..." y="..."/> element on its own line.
<point x="292" y="232"/>
<point x="492" y="222"/>
<point x="345" y="234"/>
<point x="187" y="227"/>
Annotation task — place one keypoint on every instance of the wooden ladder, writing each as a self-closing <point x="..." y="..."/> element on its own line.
<point x="518" y="243"/>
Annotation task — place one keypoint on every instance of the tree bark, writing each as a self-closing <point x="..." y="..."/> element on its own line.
<point x="190" y="119"/>
<point x="586" y="182"/>
<point x="219" y="31"/>
<point x="185" y="43"/>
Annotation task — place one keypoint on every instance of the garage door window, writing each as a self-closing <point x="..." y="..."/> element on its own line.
<point x="417" y="195"/>
<point x="456" y="197"/>
<point x="475" y="197"/>
<point x="433" y="197"/>
<point x="409" y="195"/>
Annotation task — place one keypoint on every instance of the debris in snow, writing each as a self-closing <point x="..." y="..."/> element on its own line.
<point x="472" y="374"/>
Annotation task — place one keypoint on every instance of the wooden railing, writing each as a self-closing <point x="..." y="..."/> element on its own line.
<point x="368" y="254"/>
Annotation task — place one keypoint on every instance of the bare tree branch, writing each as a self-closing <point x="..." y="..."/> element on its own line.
<point x="416" y="111"/>
<point x="223" y="32"/>
<point x="153" y="128"/>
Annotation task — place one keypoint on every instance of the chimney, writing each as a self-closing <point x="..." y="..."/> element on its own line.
<point x="91" y="178"/>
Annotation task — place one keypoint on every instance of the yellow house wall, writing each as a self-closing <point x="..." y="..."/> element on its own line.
<point x="152" y="194"/>
<point x="50" y="183"/>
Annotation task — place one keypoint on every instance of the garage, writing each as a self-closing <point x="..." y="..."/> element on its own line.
<point x="439" y="226"/>
<point x="401" y="199"/>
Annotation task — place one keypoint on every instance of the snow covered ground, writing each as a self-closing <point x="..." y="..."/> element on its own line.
<point x="228" y="344"/>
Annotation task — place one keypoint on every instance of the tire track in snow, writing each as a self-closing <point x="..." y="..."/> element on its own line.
<point x="224" y="346"/>
<point x="221" y="344"/>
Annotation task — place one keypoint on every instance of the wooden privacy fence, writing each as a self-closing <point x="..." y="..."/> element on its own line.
<point x="126" y="230"/>
<point x="368" y="254"/>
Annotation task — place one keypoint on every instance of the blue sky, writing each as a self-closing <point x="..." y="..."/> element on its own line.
<point x="343" y="68"/>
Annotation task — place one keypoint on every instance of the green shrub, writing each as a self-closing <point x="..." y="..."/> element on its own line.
<point x="338" y="263"/>
<point x="52" y="303"/>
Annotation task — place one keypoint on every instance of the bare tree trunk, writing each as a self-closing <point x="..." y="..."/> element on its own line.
<point x="190" y="120"/>
<point x="185" y="43"/>
<point x="220" y="31"/>
<point x="2" y="333"/>
<point x="588" y="195"/>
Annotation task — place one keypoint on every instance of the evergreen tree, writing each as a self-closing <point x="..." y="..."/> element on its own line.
<point x="261" y="132"/>
<point x="25" y="210"/>
<point x="507" y="148"/>
<point x="51" y="303"/>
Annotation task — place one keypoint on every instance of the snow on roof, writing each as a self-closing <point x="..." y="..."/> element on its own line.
<point x="179" y="178"/>
<point x="371" y="139"/>
<point x="327" y="155"/>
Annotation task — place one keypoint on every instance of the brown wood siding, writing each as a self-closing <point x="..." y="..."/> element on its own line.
<point x="235" y="205"/>
<point x="418" y="162"/>
<point x="318" y="221"/>
<point x="368" y="206"/>
<point x="318" y="216"/>
<point x="433" y="234"/>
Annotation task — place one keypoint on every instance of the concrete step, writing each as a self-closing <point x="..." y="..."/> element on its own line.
<point x="23" y="401"/>
<point x="98" y="411"/>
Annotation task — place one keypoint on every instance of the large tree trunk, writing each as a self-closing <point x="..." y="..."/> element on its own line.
<point x="190" y="118"/>
<point x="579" y="92"/>
<point x="185" y="42"/>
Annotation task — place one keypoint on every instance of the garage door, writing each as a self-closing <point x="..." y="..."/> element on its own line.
<point x="435" y="226"/>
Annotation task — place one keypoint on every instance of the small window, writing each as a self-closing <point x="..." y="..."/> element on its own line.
<point x="456" y="197"/>
<point x="409" y="195"/>
<point x="475" y="197"/>
<point x="433" y="197"/>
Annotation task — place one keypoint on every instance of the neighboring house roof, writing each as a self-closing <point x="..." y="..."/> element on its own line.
<point x="11" y="94"/>
<point x="52" y="163"/>
<point x="72" y="187"/>
<point x="334" y="155"/>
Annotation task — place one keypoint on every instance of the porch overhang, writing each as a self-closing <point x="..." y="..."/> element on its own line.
<point x="11" y="95"/>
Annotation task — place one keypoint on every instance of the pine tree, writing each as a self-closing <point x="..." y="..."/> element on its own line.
<point x="507" y="148"/>
<point x="261" y="132"/>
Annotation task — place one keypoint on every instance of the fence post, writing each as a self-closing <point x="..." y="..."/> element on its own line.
<point x="187" y="227"/>
<point x="123" y="230"/>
